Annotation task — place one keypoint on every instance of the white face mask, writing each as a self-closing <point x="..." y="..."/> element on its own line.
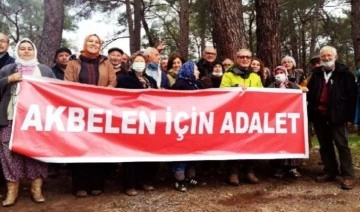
<point x="138" y="66"/>
<point x="217" y="74"/>
<point x="328" y="64"/>
<point x="280" y="78"/>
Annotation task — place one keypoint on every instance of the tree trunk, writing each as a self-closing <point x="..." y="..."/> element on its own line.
<point x="314" y="27"/>
<point x="293" y="36"/>
<point x="184" y="28"/>
<point x="267" y="32"/>
<point x="52" y="31"/>
<point x="130" y="23"/>
<point x="355" y="32"/>
<point x="228" y="27"/>
<point x="137" y="26"/>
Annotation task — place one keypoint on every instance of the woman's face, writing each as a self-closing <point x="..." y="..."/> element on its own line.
<point x="288" y="64"/>
<point x="139" y="59"/>
<point x="196" y="72"/>
<point x="26" y="51"/>
<point x="217" y="68"/>
<point x="176" y="64"/>
<point x="93" y="44"/>
<point x="255" y="66"/>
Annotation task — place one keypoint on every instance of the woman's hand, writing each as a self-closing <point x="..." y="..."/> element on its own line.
<point x="304" y="89"/>
<point x="15" y="77"/>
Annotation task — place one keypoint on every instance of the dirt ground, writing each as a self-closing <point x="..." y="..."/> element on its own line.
<point x="269" y="195"/>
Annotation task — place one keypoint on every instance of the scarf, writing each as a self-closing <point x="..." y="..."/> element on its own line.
<point x="186" y="72"/>
<point x="242" y="72"/>
<point x="143" y="80"/>
<point x="22" y="62"/>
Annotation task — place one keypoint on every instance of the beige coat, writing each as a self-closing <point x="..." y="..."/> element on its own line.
<point x="107" y="77"/>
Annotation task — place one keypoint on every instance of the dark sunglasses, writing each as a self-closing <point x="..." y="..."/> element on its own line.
<point x="243" y="57"/>
<point x="211" y="53"/>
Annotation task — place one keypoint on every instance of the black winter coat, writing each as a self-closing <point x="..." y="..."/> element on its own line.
<point x="341" y="90"/>
<point x="183" y="84"/>
<point x="132" y="82"/>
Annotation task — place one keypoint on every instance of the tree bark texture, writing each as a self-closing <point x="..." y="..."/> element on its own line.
<point x="355" y="29"/>
<point x="52" y="31"/>
<point x="267" y="32"/>
<point x="184" y="28"/>
<point x="228" y="27"/>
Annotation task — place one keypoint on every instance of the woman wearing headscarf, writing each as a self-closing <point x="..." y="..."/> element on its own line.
<point x="285" y="166"/>
<point x="90" y="68"/>
<point x="15" y="166"/>
<point x="138" y="174"/>
<point x="187" y="79"/>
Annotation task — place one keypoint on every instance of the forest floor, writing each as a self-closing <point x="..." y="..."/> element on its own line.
<point x="270" y="194"/>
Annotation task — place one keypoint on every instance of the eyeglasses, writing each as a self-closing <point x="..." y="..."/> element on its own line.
<point x="244" y="57"/>
<point x="3" y="41"/>
<point x="226" y="64"/>
<point x="210" y="53"/>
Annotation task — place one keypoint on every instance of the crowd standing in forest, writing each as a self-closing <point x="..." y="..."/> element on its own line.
<point x="330" y="87"/>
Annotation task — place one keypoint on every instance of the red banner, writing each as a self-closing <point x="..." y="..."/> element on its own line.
<point x="58" y="121"/>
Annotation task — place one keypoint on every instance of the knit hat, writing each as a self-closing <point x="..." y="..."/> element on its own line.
<point x="62" y="49"/>
<point x="115" y="49"/>
<point x="282" y="68"/>
<point x="289" y="58"/>
<point x="217" y="62"/>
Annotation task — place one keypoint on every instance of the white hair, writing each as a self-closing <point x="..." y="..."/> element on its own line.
<point x="289" y="58"/>
<point x="328" y="48"/>
<point x="148" y="51"/>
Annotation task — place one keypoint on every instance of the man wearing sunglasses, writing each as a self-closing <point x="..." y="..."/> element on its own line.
<point x="206" y="63"/>
<point x="240" y="75"/>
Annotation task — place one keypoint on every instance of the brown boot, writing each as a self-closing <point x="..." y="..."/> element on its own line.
<point x="12" y="193"/>
<point x="234" y="179"/>
<point x="36" y="190"/>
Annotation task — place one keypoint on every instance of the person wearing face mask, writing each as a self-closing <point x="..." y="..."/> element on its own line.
<point x="213" y="80"/>
<point x="137" y="77"/>
<point x="138" y="174"/>
<point x="90" y="68"/>
<point x="284" y="166"/>
<point x="174" y="64"/>
<point x="16" y="167"/>
<point x="331" y="108"/>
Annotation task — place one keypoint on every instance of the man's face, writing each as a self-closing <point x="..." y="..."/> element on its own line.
<point x="163" y="64"/>
<point x="62" y="58"/>
<point x="4" y="44"/>
<point x="210" y="54"/>
<point x="327" y="56"/>
<point x="154" y="57"/>
<point x="243" y="58"/>
<point x="125" y="58"/>
<point x="115" y="57"/>
<point x="227" y="63"/>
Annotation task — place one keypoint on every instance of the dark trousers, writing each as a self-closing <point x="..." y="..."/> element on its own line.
<point x="329" y="134"/>
<point x="136" y="174"/>
<point x="88" y="176"/>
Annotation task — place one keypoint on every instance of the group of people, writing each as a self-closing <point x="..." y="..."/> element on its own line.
<point x="330" y="89"/>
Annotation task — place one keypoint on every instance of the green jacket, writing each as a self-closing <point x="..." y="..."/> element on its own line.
<point x="232" y="78"/>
